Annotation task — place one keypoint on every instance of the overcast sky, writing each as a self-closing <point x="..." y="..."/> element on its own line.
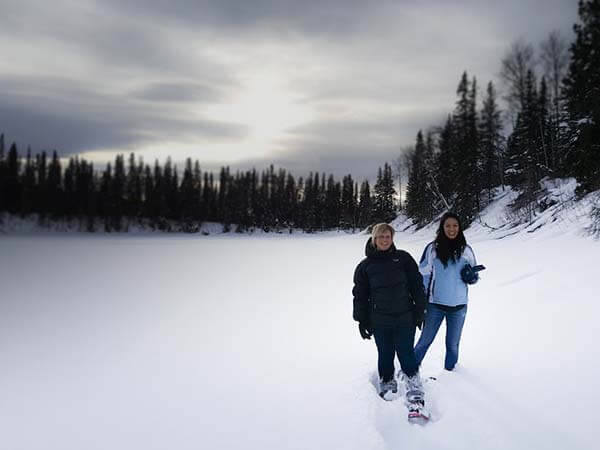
<point x="328" y="85"/>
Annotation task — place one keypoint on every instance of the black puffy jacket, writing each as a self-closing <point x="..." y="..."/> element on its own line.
<point x="388" y="289"/>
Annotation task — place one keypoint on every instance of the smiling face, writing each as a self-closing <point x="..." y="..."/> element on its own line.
<point x="383" y="241"/>
<point x="451" y="228"/>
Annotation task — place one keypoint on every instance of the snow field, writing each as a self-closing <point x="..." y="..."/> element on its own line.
<point x="231" y="342"/>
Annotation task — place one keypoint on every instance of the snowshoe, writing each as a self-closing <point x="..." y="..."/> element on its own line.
<point x="417" y="413"/>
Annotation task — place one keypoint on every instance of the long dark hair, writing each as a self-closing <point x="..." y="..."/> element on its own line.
<point x="449" y="249"/>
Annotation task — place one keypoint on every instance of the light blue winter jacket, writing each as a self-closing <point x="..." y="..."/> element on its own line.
<point x="444" y="285"/>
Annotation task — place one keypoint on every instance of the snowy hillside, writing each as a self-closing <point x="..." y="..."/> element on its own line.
<point x="563" y="212"/>
<point x="247" y="342"/>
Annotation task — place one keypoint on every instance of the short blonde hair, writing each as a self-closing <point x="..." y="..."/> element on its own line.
<point x="381" y="228"/>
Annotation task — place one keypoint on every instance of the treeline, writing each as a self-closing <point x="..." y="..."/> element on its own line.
<point x="158" y="197"/>
<point x="555" y="130"/>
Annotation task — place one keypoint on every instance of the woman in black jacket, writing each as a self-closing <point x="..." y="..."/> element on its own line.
<point x="389" y="303"/>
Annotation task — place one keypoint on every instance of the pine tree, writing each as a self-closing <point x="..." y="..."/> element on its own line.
<point x="365" y="206"/>
<point x="290" y="202"/>
<point x="254" y="199"/>
<point x="160" y="210"/>
<point x="3" y="198"/>
<point x="348" y="205"/>
<point x="332" y="204"/>
<point x="197" y="184"/>
<point x="467" y="181"/>
<point x="117" y="194"/>
<point x="419" y="198"/>
<point x="149" y="193"/>
<point x="189" y="198"/>
<point x="42" y="186"/>
<point x="170" y="190"/>
<point x="133" y="190"/>
<point x="13" y="184"/>
<point x="491" y="141"/>
<point x="28" y="186"/>
<point x="554" y="56"/>
<point x="384" y="210"/>
<point x="54" y="185"/>
<point x="69" y="201"/>
<point x="92" y="198"/>
<point x="446" y="162"/>
<point x="321" y="208"/>
<point x="582" y="94"/>
<point x="544" y="123"/>
<point x="104" y="204"/>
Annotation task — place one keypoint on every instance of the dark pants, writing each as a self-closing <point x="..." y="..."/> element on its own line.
<point x="391" y="342"/>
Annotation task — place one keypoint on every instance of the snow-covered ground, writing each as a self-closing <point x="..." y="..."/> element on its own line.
<point x="247" y="342"/>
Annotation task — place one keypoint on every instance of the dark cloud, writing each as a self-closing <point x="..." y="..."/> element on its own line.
<point x="63" y="114"/>
<point x="115" y="74"/>
<point x="348" y="18"/>
<point x="179" y="92"/>
<point x="271" y="17"/>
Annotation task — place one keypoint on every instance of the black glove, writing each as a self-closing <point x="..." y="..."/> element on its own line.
<point x="365" y="330"/>
<point x="419" y="320"/>
<point x="469" y="274"/>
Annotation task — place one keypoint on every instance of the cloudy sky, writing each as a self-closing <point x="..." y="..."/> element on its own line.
<point x="324" y="85"/>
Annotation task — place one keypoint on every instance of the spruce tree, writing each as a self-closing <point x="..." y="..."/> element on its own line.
<point x="149" y="193"/>
<point x="68" y="204"/>
<point x="104" y="204"/>
<point x="446" y="162"/>
<point x="28" y="186"/>
<point x="467" y="179"/>
<point x="3" y="198"/>
<point x="42" y="186"/>
<point x="332" y="204"/>
<point x="134" y="189"/>
<point x="290" y="202"/>
<point x="13" y="183"/>
<point x="117" y="194"/>
<point x="365" y="205"/>
<point x="348" y="205"/>
<point x="491" y="141"/>
<point x="419" y="197"/>
<point x="545" y="131"/>
<point x="54" y="185"/>
<point x="384" y="210"/>
<point x="582" y="94"/>
<point x="189" y="198"/>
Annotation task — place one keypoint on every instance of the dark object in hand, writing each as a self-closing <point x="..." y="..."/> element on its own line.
<point x="469" y="274"/>
<point x="365" y="331"/>
<point x="419" y="320"/>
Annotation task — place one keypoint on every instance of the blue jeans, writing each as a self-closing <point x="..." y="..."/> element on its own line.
<point x="391" y="342"/>
<point x="454" y="325"/>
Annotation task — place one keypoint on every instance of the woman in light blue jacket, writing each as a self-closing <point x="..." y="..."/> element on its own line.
<point x="441" y="266"/>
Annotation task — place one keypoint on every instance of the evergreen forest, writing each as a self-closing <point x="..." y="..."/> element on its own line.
<point x="548" y="128"/>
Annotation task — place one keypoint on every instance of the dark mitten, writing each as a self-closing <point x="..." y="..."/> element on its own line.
<point x="468" y="275"/>
<point x="419" y="320"/>
<point x="365" y="330"/>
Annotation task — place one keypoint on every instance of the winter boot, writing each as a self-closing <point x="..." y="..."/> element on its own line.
<point x="414" y="387"/>
<point x="388" y="387"/>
